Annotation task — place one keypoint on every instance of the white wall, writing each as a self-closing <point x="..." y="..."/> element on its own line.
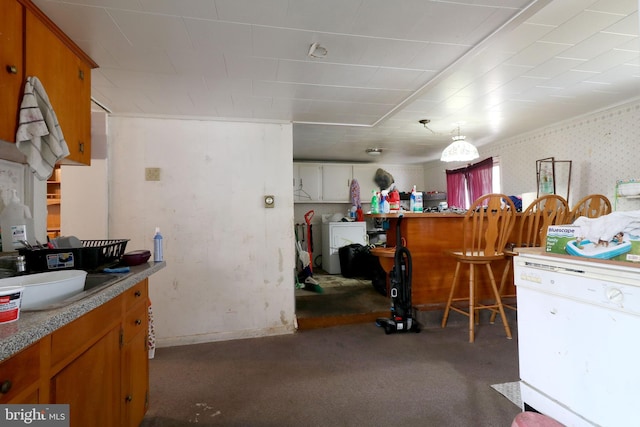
<point x="85" y="190"/>
<point x="85" y="200"/>
<point x="603" y="147"/>
<point x="229" y="260"/>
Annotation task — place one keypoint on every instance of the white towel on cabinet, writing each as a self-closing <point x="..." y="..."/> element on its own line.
<point x="604" y="228"/>
<point x="39" y="136"/>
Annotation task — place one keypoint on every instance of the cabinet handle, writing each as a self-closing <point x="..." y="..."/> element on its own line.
<point x="128" y="399"/>
<point x="138" y="322"/>
<point x="5" y="387"/>
<point x="80" y="74"/>
<point x="137" y="294"/>
<point x="81" y="147"/>
<point x="12" y="69"/>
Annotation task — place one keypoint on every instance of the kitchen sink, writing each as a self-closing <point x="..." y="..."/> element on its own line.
<point x="99" y="280"/>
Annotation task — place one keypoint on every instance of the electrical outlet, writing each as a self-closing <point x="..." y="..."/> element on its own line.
<point x="152" y="174"/>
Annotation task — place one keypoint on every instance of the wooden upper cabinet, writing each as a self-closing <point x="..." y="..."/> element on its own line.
<point x="67" y="81"/>
<point x="11" y="61"/>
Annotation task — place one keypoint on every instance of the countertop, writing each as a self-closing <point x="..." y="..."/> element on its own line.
<point x="410" y="215"/>
<point x="34" y="325"/>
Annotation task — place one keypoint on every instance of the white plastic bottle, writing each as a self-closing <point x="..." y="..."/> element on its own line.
<point x="419" y="205"/>
<point x="157" y="246"/>
<point x="16" y="224"/>
<point x="412" y="200"/>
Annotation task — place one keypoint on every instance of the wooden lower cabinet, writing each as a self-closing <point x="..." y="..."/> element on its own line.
<point x="98" y="364"/>
<point x="20" y="376"/>
<point x="135" y="357"/>
<point x="135" y="381"/>
<point x="90" y="384"/>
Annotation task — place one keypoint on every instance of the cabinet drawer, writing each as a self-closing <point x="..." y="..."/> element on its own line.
<point x="73" y="339"/>
<point x="135" y="294"/>
<point x="19" y="372"/>
<point x="135" y="321"/>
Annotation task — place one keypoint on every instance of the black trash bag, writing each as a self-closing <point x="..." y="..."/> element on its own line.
<point x="357" y="261"/>
<point x="351" y="260"/>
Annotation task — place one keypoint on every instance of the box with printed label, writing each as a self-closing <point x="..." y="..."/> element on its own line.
<point x="565" y="239"/>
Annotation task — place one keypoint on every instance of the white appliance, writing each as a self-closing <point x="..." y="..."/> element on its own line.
<point x="336" y="235"/>
<point x="578" y="338"/>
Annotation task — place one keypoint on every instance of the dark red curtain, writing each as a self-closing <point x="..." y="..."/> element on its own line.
<point x="475" y="179"/>
<point x="480" y="179"/>
<point x="455" y="189"/>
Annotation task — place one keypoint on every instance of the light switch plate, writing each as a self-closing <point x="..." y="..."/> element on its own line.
<point x="152" y="174"/>
<point x="269" y="201"/>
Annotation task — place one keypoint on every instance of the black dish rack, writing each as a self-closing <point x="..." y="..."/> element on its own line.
<point x="94" y="255"/>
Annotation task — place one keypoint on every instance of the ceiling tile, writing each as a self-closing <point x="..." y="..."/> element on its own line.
<point x="623" y="7"/>
<point x="395" y="78"/>
<point x="435" y="56"/>
<point x="581" y="27"/>
<point x="307" y="91"/>
<point x="112" y="4"/>
<point x="192" y="62"/>
<point x="250" y="67"/>
<point x="263" y="12"/>
<point x="215" y="36"/>
<point x="596" y="45"/>
<point x="83" y="23"/>
<point x="537" y="53"/>
<point x="322" y="73"/>
<point x="203" y="9"/>
<point x="145" y="30"/>
<point x="557" y="13"/>
<point x="555" y="66"/>
<point x="333" y="16"/>
<point x="607" y="60"/>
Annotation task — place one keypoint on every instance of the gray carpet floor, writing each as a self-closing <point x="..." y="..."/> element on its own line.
<point x="342" y="376"/>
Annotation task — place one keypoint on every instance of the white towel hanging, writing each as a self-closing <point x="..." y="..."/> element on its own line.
<point x="39" y="136"/>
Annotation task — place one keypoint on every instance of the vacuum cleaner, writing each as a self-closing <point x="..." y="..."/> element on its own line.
<point x="401" y="319"/>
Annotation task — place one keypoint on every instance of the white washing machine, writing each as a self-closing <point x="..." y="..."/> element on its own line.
<point x="336" y="235"/>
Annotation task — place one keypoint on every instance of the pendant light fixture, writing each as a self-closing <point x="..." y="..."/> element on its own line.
<point x="459" y="150"/>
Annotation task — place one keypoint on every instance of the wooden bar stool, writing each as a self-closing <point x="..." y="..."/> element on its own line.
<point x="591" y="206"/>
<point x="532" y="232"/>
<point x="486" y="228"/>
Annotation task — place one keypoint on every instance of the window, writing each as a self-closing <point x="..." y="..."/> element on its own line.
<point x="464" y="185"/>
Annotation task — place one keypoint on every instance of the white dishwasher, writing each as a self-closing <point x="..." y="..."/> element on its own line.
<point x="336" y="235"/>
<point x="579" y="338"/>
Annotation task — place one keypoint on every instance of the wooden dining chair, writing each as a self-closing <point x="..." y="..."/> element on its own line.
<point x="591" y="206"/>
<point x="544" y="211"/>
<point x="486" y="228"/>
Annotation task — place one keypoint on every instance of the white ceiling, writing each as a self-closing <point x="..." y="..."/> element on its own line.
<point x="498" y="67"/>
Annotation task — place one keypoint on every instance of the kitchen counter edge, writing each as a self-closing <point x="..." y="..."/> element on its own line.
<point x="34" y="325"/>
<point x="409" y="215"/>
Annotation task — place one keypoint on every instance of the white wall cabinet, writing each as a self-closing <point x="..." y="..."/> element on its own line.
<point x="307" y="182"/>
<point x="331" y="182"/>
<point x="336" y="183"/>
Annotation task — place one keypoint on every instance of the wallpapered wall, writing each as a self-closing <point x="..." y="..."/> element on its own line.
<point x="603" y="146"/>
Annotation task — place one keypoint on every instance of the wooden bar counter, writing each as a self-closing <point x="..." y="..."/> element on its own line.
<point x="428" y="236"/>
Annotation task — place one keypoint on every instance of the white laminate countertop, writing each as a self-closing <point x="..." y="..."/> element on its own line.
<point x="34" y="325"/>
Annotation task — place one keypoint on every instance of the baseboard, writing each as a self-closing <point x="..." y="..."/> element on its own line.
<point x="222" y="336"/>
